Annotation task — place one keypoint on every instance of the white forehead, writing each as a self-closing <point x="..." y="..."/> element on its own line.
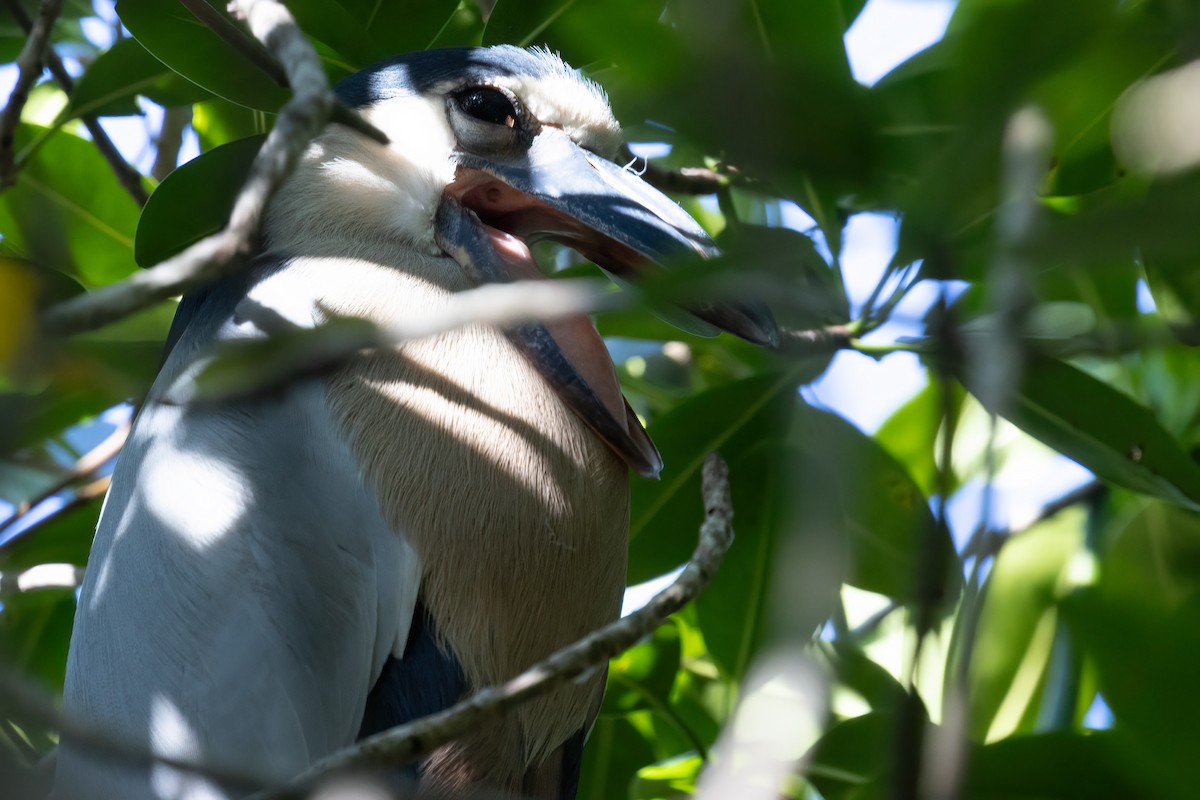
<point x="560" y="96"/>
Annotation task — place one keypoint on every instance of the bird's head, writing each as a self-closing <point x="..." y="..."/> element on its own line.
<point x="492" y="149"/>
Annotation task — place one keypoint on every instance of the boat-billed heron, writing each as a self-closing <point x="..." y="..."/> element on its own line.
<point x="275" y="577"/>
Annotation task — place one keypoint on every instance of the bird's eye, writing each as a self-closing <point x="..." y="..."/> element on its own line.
<point x="488" y="105"/>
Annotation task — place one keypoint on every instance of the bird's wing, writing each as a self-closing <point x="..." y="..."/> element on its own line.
<point x="243" y="592"/>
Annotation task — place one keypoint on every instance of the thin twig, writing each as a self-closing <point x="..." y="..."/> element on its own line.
<point x="800" y="343"/>
<point x="407" y="742"/>
<point x="299" y="120"/>
<point x="686" y="180"/>
<point x="30" y="63"/>
<point x="129" y="178"/>
<point x="85" y="467"/>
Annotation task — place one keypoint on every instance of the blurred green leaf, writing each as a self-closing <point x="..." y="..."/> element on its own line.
<point x="1016" y="629"/>
<point x="35" y="628"/>
<point x="194" y="201"/>
<point x="612" y="758"/>
<point x="852" y="755"/>
<point x="68" y="213"/>
<point x="219" y="122"/>
<point x="179" y="40"/>
<point x="665" y="515"/>
<point x="886" y="517"/>
<point x="1051" y="766"/>
<point x="368" y="30"/>
<point x="1146" y="659"/>
<point x="910" y="435"/>
<point x="642" y="677"/>
<point x="787" y="563"/>
<point x="668" y="779"/>
<point x="1104" y="430"/>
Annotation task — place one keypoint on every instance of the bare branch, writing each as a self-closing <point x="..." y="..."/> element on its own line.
<point x="300" y="119"/>
<point x="129" y="178"/>
<point x="30" y="62"/>
<point x="686" y="180"/>
<point x="815" y="341"/>
<point x="420" y="737"/>
<point x="170" y="140"/>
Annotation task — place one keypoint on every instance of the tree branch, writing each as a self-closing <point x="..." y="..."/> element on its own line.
<point x="686" y="180"/>
<point x="422" y="736"/>
<point x="129" y="178"/>
<point x="170" y="140"/>
<point x="800" y="343"/>
<point x="30" y="63"/>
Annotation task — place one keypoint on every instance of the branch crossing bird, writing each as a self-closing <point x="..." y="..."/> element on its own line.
<point x="275" y="577"/>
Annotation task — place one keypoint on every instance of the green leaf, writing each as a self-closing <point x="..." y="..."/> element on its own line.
<point x="787" y="562"/>
<point x="1104" y="430"/>
<point x="884" y="513"/>
<point x="910" y="435"/>
<point x="850" y="10"/>
<point x="1051" y="766"/>
<point x="859" y="673"/>
<point x="853" y="754"/>
<point x="807" y="291"/>
<point x="1147" y="660"/>
<point x="179" y="40"/>
<point x="194" y="201"/>
<point x="463" y="29"/>
<point x="523" y="23"/>
<point x="669" y="779"/>
<point x="642" y="677"/>
<point x="387" y="27"/>
<point x="615" y="751"/>
<point x="67" y="211"/>
<point x="35" y="628"/>
<point x="1016" y="628"/>
<point x="219" y="122"/>
<point x="665" y="515"/>
<point x="112" y="84"/>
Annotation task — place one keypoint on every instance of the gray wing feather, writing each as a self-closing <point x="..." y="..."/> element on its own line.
<point x="243" y="590"/>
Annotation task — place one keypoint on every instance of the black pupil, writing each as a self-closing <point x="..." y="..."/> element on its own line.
<point x="488" y="105"/>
